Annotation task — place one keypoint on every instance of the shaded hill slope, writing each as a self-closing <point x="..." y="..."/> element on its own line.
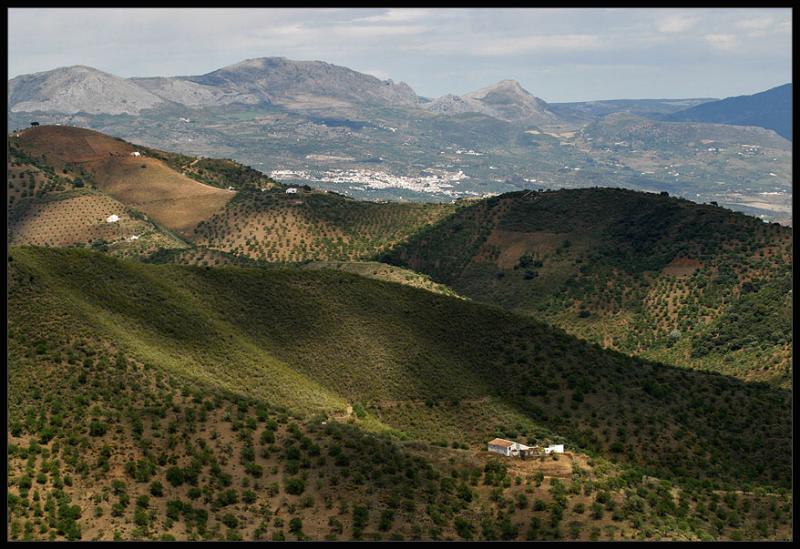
<point x="421" y="365"/>
<point x="104" y="446"/>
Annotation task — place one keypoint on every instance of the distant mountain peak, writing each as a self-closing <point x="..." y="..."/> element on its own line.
<point x="506" y="86"/>
<point x="508" y="100"/>
<point x="78" y="88"/>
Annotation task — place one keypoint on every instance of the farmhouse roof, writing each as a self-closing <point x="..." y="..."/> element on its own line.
<point x="501" y="442"/>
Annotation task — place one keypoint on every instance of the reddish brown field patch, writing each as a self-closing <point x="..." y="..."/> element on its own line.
<point x="514" y="244"/>
<point x="682" y="266"/>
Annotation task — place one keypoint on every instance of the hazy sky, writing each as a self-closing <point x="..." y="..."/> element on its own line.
<point x="557" y="54"/>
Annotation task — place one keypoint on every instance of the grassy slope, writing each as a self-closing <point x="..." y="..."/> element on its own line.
<point x="641" y="273"/>
<point x="429" y="366"/>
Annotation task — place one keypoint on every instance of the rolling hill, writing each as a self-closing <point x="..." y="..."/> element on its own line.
<point x="642" y="273"/>
<point x="119" y="170"/>
<point x="771" y="109"/>
<point x="684" y="305"/>
<point x="65" y="184"/>
<point x="139" y="381"/>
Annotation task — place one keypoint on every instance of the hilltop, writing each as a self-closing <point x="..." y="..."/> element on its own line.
<point x="64" y="183"/>
<point x="78" y="89"/>
<point x="642" y="273"/>
<point x="506" y="100"/>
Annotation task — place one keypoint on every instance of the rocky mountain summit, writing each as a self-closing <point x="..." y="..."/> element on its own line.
<point x="300" y="85"/>
<point x="506" y="100"/>
<point x="78" y="89"/>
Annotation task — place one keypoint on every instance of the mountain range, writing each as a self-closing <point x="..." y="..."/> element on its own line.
<point x="335" y="128"/>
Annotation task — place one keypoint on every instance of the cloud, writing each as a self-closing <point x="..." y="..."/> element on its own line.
<point x="395" y="16"/>
<point x="376" y="31"/>
<point x="677" y="24"/>
<point x="495" y="46"/>
<point x="759" y="26"/>
<point x="721" y="41"/>
<point x="545" y="43"/>
<point x="757" y="23"/>
<point x="437" y="51"/>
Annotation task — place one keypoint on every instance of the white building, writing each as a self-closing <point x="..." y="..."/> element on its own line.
<point x="112" y="218"/>
<point x="554" y="448"/>
<point x="506" y="447"/>
<point x="136" y="153"/>
<point x="291" y="190"/>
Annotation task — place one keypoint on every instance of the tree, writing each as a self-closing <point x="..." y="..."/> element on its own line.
<point x="175" y="476"/>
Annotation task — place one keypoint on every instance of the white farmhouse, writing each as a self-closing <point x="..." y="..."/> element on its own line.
<point x="506" y="447"/>
<point x="136" y="153"/>
<point x="113" y="218"/>
<point x="291" y="190"/>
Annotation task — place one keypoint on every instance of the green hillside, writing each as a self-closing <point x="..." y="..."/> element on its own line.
<point x="115" y="368"/>
<point x="312" y="225"/>
<point x="645" y="274"/>
<point x="318" y="341"/>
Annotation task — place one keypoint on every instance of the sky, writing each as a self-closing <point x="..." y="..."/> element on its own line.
<point x="560" y="55"/>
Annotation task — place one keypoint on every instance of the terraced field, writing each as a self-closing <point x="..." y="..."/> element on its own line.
<point x="69" y="219"/>
<point x="172" y="199"/>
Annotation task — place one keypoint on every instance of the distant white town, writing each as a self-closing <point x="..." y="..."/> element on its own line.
<point x="438" y="182"/>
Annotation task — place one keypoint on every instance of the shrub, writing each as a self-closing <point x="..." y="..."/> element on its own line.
<point x="175" y="476"/>
<point x="296" y="526"/>
<point x="97" y="428"/>
<point x="230" y="521"/>
<point x="295" y="486"/>
<point x="156" y="488"/>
